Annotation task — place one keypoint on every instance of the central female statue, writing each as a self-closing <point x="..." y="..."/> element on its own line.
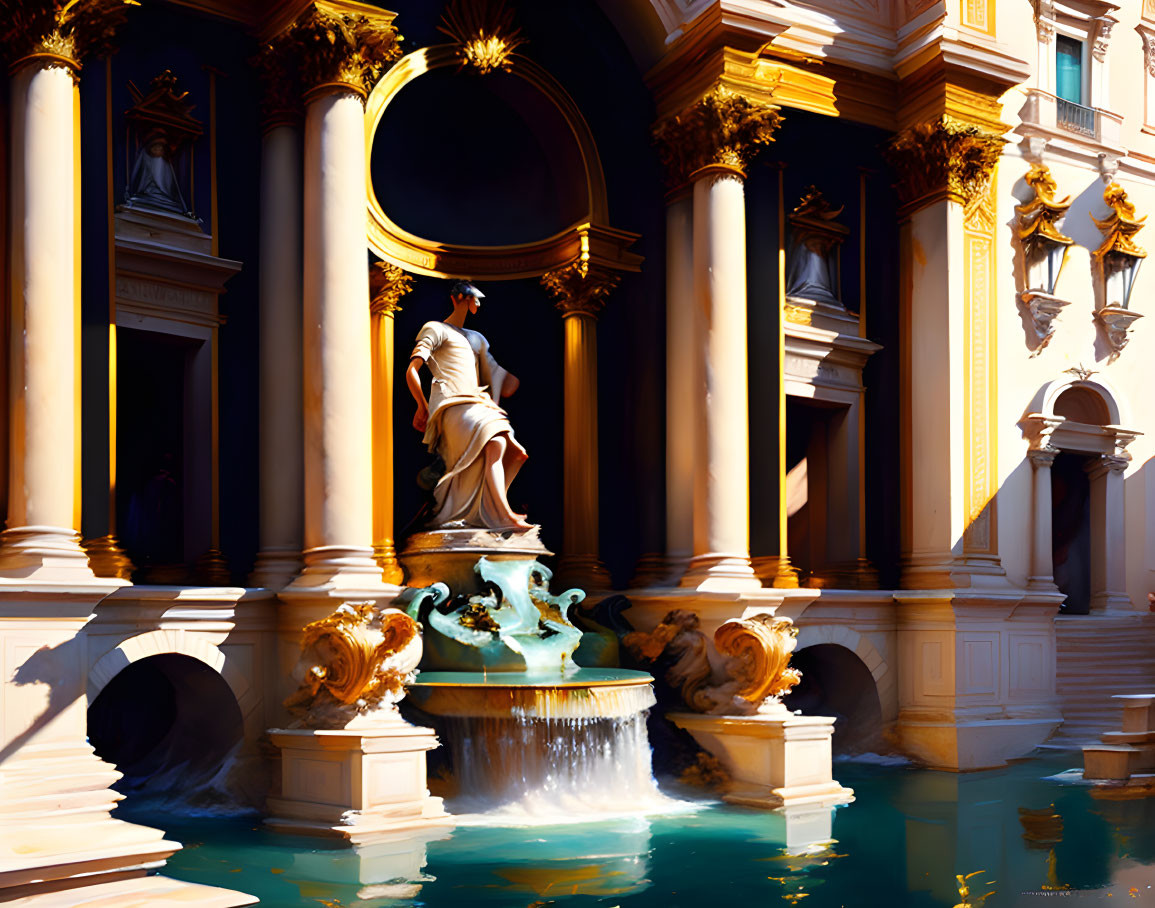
<point x="463" y="422"/>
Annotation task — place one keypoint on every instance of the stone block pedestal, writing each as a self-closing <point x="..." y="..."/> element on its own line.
<point x="774" y="759"/>
<point x="362" y="785"/>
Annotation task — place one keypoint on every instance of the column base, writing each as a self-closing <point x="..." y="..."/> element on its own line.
<point x="44" y="554"/>
<point x="584" y="572"/>
<point x="776" y="571"/>
<point x="213" y="569"/>
<point x="853" y="575"/>
<point x="964" y="742"/>
<point x="776" y="759"/>
<point x="107" y="559"/>
<point x="359" y="785"/>
<point x="338" y="566"/>
<point x="276" y="568"/>
<point x="385" y="554"/>
<point x="720" y="572"/>
<point x="658" y="570"/>
<point x="944" y="572"/>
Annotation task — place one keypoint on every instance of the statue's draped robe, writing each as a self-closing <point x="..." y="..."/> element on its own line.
<point x="463" y="417"/>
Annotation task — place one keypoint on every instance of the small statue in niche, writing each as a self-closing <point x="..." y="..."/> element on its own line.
<point x="163" y="130"/>
<point x="812" y="260"/>
<point x="153" y="182"/>
<point x="463" y="421"/>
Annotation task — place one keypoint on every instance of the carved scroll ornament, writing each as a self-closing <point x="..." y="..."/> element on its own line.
<point x="757" y="670"/>
<point x="354" y="662"/>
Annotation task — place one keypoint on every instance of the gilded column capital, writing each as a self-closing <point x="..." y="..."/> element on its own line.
<point x="943" y="158"/>
<point x="281" y="84"/>
<point x="339" y="46"/>
<point x="580" y="288"/>
<point x="387" y="284"/>
<point x="59" y="32"/>
<point x="723" y="129"/>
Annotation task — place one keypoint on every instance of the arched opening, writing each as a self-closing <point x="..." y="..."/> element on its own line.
<point x="1071" y="530"/>
<point x="835" y="682"/>
<point x="171" y="725"/>
<point x="1083" y="405"/>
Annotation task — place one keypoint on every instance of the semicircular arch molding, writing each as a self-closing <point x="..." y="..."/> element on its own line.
<point x="588" y="239"/>
<point x="174" y="642"/>
<point x="864" y="649"/>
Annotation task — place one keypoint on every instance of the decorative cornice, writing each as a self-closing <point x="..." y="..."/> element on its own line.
<point x="580" y="288"/>
<point x="58" y="32"/>
<point x="339" y="46"/>
<point x="484" y="33"/>
<point x="1038" y="218"/>
<point x="387" y="284"/>
<point x="943" y="158"/>
<point x="722" y="129"/>
<point x="1120" y="227"/>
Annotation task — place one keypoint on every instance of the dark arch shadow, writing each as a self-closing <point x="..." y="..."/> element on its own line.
<point x="835" y="682"/>
<point x="171" y="725"/>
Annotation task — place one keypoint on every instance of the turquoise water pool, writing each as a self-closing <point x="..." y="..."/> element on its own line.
<point x="902" y="841"/>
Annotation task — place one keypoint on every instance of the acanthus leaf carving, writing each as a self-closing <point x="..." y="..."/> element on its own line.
<point x="723" y="128"/>
<point x="68" y="30"/>
<point x="387" y="284"/>
<point x="944" y="155"/>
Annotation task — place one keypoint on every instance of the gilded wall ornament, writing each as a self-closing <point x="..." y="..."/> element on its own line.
<point x="944" y="155"/>
<point x="387" y="284"/>
<point x="580" y="288"/>
<point x="1119" y="228"/>
<point x="1117" y="262"/>
<point x="724" y="128"/>
<point x="484" y="33"/>
<point x="65" y="29"/>
<point x="353" y="663"/>
<point x="335" y="46"/>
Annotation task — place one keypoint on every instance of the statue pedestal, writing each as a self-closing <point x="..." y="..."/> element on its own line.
<point x="360" y="784"/>
<point x="448" y="555"/>
<point x="774" y="759"/>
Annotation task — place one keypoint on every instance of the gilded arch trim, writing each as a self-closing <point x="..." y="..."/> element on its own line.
<point x="590" y="236"/>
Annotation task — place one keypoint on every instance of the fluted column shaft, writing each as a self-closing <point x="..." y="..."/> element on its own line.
<point x="337" y="406"/>
<point x="42" y="538"/>
<point x="580" y="535"/>
<point x="1042" y="557"/>
<point x="281" y="440"/>
<point x="722" y="488"/>
<point x="682" y="401"/>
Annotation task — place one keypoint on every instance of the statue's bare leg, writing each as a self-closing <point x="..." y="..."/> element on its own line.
<point x="515" y="456"/>
<point x="495" y="450"/>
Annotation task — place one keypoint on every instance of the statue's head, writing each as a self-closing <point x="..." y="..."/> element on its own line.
<point x="463" y="293"/>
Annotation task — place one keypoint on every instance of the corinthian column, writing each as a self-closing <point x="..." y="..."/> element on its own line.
<point x="281" y="438"/>
<point x="341" y="49"/>
<point x="580" y="291"/>
<point x="682" y="402"/>
<point x="42" y="540"/>
<point x="710" y="143"/>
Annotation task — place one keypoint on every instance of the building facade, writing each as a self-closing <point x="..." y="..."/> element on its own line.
<point x="831" y="309"/>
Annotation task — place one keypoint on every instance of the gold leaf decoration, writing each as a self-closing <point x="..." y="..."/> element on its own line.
<point x="1120" y="227"/>
<point x="944" y="156"/>
<point x="387" y="284"/>
<point x="1039" y="216"/>
<point x="723" y="128"/>
<point x="484" y="32"/>
<point x="71" y="29"/>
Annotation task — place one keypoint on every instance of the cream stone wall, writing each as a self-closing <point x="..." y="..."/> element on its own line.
<point x="1078" y="341"/>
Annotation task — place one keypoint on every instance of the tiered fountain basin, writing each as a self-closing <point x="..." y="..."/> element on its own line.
<point x="581" y="693"/>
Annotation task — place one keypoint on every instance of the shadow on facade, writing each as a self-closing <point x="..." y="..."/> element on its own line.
<point x="835" y="682"/>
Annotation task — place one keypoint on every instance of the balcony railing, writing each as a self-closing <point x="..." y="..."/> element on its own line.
<point x="1075" y="117"/>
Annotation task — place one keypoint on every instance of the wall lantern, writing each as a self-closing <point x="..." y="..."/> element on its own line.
<point x="1044" y="252"/>
<point x="1118" y="261"/>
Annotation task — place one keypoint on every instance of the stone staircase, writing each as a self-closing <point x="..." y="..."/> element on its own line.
<point x="1098" y="656"/>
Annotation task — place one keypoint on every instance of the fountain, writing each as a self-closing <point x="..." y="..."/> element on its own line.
<point x="530" y="732"/>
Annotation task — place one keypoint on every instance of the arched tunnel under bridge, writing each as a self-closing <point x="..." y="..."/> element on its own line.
<point x="172" y="726"/>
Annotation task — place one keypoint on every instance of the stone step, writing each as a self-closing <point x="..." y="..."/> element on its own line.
<point x="138" y="892"/>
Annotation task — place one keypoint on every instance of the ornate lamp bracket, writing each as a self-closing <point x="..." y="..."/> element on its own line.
<point x="1045" y="249"/>
<point x="1117" y="263"/>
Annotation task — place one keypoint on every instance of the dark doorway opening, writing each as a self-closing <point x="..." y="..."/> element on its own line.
<point x="1071" y="531"/>
<point x="171" y="725"/>
<point x="835" y="682"/>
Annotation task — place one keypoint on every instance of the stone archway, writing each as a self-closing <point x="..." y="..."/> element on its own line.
<point x="1080" y="420"/>
<point x="836" y="681"/>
